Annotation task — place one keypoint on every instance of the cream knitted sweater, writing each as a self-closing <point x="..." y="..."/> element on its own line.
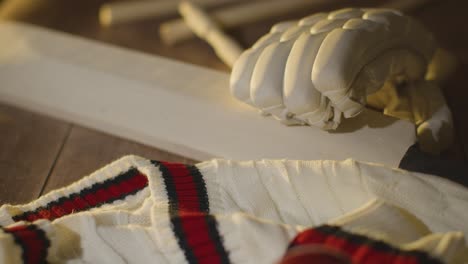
<point x="139" y="211"/>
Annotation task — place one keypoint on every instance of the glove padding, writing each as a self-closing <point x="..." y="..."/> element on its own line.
<point x="329" y="65"/>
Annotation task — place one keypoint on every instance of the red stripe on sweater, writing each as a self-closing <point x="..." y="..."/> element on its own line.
<point x="193" y="220"/>
<point x="33" y="243"/>
<point x="360" y="249"/>
<point x="94" y="196"/>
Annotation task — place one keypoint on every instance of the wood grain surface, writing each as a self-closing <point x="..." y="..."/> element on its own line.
<point x="29" y="147"/>
<point x="38" y="154"/>
<point x="87" y="150"/>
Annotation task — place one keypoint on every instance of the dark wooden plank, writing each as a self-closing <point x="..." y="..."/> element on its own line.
<point x="87" y="150"/>
<point x="29" y="144"/>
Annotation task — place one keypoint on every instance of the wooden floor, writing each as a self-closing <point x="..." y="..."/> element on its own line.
<point x="38" y="154"/>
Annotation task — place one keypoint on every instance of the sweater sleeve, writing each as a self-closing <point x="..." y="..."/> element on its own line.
<point x="119" y="185"/>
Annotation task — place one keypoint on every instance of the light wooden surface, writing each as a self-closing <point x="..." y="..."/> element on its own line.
<point x="33" y="164"/>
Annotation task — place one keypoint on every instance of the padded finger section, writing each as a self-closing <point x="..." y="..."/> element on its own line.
<point x="300" y="95"/>
<point x="292" y="33"/>
<point x="267" y="40"/>
<point x="241" y="74"/>
<point x="347" y="50"/>
<point x="346" y="13"/>
<point x="339" y="60"/>
<point x="312" y="19"/>
<point x="267" y="79"/>
<point x="282" y="26"/>
<point x="242" y="70"/>
<point x="327" y="25"/>
<point x="383" y="16"/>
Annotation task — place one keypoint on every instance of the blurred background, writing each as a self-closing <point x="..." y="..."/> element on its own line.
<point x="445" y="18"/>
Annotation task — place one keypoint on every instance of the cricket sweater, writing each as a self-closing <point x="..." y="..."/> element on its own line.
<point x="138" y="211"/>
